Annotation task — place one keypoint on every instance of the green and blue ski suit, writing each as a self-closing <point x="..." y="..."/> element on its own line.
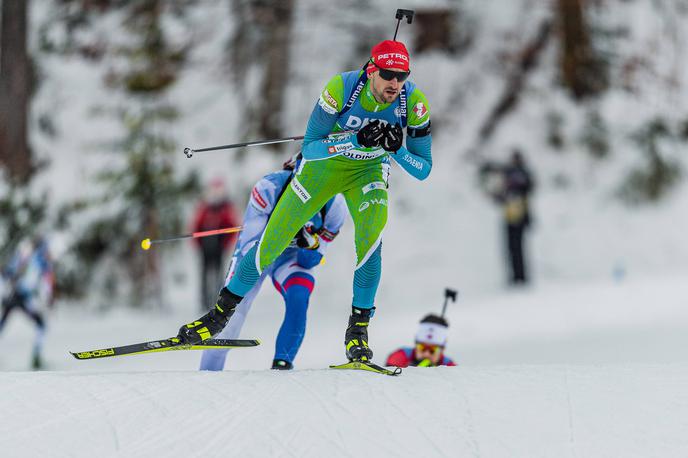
<point x="335" y="163"/>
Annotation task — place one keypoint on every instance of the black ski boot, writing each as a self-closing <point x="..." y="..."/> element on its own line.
<point x="281" y="365"/>
<point x="356" y="337"/>
<point x="213" y="322"/>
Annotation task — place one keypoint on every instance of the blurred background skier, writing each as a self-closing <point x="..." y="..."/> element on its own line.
<point x="214" y="212"/>
<point x="27" y="286"/>
<point x="292" y="273"/>
<point x="369" y="108"/>
<point x="431" y="339"/>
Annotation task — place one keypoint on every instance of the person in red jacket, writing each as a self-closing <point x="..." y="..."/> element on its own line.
<point x="431" y="339"/>
<point x="215" y="212"/>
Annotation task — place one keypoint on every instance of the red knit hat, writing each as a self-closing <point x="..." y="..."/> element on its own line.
<point x="389" y="54"/>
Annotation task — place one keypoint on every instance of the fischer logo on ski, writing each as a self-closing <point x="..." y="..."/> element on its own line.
<point x="95" y="353"/>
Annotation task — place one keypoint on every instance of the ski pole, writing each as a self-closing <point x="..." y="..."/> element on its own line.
<point x="146" y="243"/>
<point x="190" y="151"/>
<point x="448" y="294"/>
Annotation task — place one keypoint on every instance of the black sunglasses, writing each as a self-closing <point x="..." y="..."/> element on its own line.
<point x="389" y="75"/>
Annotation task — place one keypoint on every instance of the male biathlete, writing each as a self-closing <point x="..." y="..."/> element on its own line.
<point x="371" y="107"/>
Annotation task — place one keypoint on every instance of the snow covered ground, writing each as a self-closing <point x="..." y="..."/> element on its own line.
<point x="501" y="411"/>
<point x="560" y="371"/>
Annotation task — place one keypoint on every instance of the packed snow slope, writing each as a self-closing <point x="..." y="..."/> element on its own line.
<point x="508" y="411"/>
<point x="564" y="371"/>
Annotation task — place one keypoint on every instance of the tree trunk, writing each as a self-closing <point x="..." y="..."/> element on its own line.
<point x="277" y="67"/>
<point x="15" y="89"/>
<point x="581" y="72"/>
<point x="263" y="29"/>
<point x="528" y="60"/>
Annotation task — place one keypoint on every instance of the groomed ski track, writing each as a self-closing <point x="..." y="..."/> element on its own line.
<point x="599" y="370"/>
<point x="529" y="410"/>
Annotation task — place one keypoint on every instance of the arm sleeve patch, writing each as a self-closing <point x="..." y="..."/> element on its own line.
<point x="332" y="97"/>
<point x="419" y="109"/>
<point x="258" y="199"/>
<point x="263" y="195"/>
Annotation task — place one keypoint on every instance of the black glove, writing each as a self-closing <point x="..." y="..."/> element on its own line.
<point x="392" y="138"/>
<point x="371" y="134"/>
<point x="307" y="238"/>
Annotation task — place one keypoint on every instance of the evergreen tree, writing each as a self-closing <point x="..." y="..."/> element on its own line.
<point x="143" y="196"/>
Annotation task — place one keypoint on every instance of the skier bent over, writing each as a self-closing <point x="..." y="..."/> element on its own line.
<point x="293" y="273"/>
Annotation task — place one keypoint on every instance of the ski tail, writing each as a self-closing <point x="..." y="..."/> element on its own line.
<point x="367" y="366"/>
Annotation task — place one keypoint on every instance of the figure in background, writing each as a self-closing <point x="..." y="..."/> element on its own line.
<point x="215" y="212"/>
<point x="431" y="339"/>
<point x="292" y="273"/>
<point x="511" y="185"/>
<point x="28" y="284"/>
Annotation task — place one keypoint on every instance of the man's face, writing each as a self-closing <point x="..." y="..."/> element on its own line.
<point x="432" y="353"/>
<point x="383" y="90"/>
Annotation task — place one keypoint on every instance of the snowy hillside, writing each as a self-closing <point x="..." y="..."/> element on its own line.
<point x="445" y="223"/>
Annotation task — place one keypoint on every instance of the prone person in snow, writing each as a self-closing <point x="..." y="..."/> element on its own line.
<point x="292" y="273"/>
<point x="367" y="110"/>
<point x="431" y="339"/>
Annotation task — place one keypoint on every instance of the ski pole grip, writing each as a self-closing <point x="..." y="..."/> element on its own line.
<point x="405" y="13"/>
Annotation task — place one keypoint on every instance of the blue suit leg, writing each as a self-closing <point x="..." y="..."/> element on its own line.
<point x="213" y="360"/>
<point x="297" y="292"/>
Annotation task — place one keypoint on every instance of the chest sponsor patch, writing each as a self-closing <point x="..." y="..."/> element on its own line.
<point x="300" y="190"/>
<point x="354" y="122"/>
<point x="420" y="110"/>
<point x="363" y="156"/>
<point x="341" y="148"/>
